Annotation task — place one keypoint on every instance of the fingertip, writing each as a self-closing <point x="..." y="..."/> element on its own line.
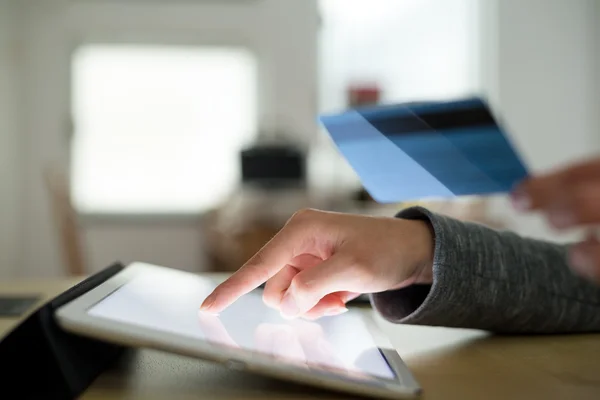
<point x="289" y="308"/>
<point x="336" y="311"/>
<point x="213" y="304"/>
<point x="561" y="218"/>
<point x="206" y="304"/>
<point x="272" y="300"/>
<point x="287" y="317"/>
<point x="311" y="318"/>
<point x="207" y="312"/>
<point x="269" y="303"/>
<point x="314" y="315"/>
<point x="223" y="296"/>
<point x="520" y="199"/>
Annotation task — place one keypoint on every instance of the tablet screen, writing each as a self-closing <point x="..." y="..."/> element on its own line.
<point x="168" y="301"/>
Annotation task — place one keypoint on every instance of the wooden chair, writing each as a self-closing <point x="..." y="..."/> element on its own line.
<point x="66" y="221"/>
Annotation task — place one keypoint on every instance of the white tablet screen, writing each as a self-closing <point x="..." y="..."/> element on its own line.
<point x="168" y="301"/>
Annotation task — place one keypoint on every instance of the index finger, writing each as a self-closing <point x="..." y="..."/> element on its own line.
<point x="275" y="255"/>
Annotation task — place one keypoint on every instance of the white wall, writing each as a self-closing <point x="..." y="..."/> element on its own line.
<point x="547" y="78"/>
<point x="8" y="141"/>
<point x="540" y="72"/>
<point x="173" y="242"/>
<point x="282" y="32"/>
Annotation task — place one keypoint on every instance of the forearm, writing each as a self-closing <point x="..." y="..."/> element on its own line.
<point x="495" y="281"/>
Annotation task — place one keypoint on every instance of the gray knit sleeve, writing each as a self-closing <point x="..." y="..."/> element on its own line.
<point x="496" y="281"/>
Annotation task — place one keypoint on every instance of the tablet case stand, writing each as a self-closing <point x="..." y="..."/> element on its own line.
<point x="38" y="360"/>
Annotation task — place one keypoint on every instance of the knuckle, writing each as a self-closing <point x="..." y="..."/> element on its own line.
<point x="357" y="262"/>
<point x="570" y="174"/>
<point x="304" y="213"/>
<point x="301" y="285"/>
<point x="583" y="207"/>
<point x="526" y="186"/>
<point x="304" y="219"/>
<point x="360" y="266"/>
<point x="272" y="293"/>
<point x="254" y="261"/>
<point x="270" y="299"/>
<point x="532" y="186"/>
<point x="254" y="268"/>
<point x="579" y="197"/>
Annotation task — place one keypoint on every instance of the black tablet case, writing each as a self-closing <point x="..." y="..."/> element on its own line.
<point x="38" y="360"/>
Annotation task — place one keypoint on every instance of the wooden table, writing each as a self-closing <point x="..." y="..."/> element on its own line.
<point x="450" y="364"/>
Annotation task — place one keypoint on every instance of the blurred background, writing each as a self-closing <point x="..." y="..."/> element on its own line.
<point x="184" y="132"/>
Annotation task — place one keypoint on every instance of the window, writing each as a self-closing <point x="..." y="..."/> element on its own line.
<point x="411" y="49"/>
<point x="159" y="129"/>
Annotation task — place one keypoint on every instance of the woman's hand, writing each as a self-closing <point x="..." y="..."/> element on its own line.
<point x="569" y="198"/>
<point x="321" y="260"/>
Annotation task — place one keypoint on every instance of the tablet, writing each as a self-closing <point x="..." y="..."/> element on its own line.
<point x="156" y="307"/>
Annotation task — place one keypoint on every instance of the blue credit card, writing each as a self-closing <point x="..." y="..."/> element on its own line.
<point x="427" y="150"/>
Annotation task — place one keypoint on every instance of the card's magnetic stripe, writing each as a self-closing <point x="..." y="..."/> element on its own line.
<point x="423" y="106"/>
<point x="413" y="120"/>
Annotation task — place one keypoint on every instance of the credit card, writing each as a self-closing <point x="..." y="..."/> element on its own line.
<point x="418" y="151"/>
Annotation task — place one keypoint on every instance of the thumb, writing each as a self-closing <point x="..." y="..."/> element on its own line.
<point x="311" y="285"/>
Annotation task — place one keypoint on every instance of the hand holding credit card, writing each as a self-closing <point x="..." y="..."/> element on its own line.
<point x="427" y="150"/>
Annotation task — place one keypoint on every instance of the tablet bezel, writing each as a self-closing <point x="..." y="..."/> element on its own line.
<point x="74" y="317"/>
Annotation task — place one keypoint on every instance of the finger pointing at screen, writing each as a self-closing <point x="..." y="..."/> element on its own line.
<point x="321" y="260"/>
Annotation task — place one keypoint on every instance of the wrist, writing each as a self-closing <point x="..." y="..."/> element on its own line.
<point x="421" y="250"/>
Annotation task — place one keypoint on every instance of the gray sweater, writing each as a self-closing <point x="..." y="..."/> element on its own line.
<point x="496" y="281"/>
